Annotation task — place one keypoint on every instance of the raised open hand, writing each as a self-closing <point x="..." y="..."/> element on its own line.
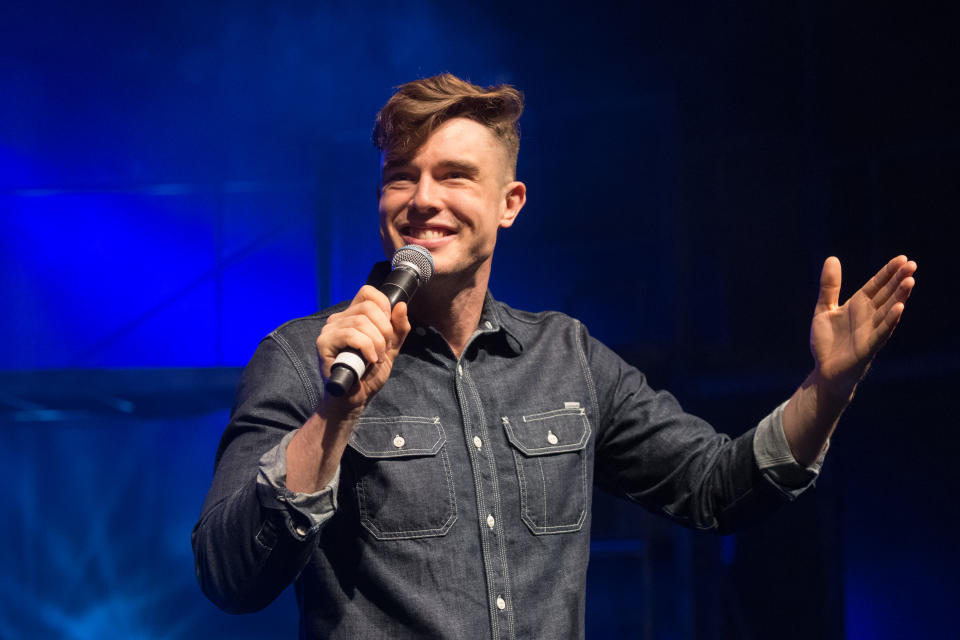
<point x="845" y="338"/>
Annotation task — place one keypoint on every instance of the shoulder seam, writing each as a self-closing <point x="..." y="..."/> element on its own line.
<point x="541" y="315"/>
<point x="298" y="365"/>
<point x="320" y="316"/>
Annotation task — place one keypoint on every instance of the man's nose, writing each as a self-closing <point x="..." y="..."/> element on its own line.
<point x="426" y="196"/>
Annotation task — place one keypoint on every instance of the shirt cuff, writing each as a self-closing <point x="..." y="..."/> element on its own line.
<point x="776" y="461"/>
<point x="305" y="512"/>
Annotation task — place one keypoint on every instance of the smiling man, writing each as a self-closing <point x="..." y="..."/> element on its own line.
<point x="448" y="494"/>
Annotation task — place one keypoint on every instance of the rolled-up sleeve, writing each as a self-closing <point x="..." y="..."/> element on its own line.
<point x="776" y="461"/>
<point x="306" y="513"/>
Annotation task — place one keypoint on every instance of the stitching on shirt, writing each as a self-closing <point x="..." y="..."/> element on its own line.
<point x="521" y="479"/>
<point x="517" y="441"/>
<point x="441" y="438"/>
<point x="525" y="495"/>
<point x="540" y="316"/>
<point x="379" y="534"/>
<point x="543" y="479"/>
<point x="298" y="365"/>
<point x="474" y="454"/>
<point x="566" y="411"/>
<point x="587" y="374"/>
<point x="392" y="419"/>
<point x="367" y="521"/>
<point x="491" y="463"/>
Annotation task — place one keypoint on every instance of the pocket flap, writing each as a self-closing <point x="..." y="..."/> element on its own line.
<point x="550" y="432"/>
<point x="397" y="437"/>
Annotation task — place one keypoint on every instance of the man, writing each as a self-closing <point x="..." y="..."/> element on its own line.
<point x="448" y="493"/>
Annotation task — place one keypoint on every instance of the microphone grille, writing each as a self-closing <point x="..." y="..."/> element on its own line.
<point x="417" y="257"/>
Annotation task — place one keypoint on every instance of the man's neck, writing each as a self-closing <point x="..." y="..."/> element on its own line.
<point x="452" y="307"/>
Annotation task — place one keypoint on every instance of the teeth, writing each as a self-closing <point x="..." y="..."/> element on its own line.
<point x="427" y="234"/>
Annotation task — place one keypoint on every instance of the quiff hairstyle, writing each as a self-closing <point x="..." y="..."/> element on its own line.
<point x="418" y="108"/>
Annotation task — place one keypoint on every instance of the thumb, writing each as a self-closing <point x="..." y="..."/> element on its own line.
<point x="401" y="324"/>
<point x="829" y="296"/>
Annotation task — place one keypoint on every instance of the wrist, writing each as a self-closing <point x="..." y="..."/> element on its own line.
<point x="835" y="392"/>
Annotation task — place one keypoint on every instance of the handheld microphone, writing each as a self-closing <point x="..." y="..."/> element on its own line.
<point x="412" y="267"/>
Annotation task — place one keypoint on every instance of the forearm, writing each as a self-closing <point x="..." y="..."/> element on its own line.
<point x="811" y="415"/>
<point x="255" y="535"/>
<point x="314" y="453"/>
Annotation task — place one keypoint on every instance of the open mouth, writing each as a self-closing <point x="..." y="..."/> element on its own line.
<point x="425" y="233"/>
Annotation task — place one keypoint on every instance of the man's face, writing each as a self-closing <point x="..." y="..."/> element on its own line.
<point x="451" y="197"/>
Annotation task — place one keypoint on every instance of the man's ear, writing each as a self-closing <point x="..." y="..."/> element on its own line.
<point x="515" y="196"/>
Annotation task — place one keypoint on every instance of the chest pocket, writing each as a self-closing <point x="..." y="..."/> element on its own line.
<point x="549" y="451"/>
<point x="402" y="477"/>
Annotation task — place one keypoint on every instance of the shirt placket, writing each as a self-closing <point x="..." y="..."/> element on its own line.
<point x="483" y="463"/>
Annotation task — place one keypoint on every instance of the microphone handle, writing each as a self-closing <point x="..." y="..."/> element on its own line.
<point x="350" y="366"/>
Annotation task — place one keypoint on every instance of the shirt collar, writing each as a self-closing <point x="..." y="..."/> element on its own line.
<point x="492" y="319"/>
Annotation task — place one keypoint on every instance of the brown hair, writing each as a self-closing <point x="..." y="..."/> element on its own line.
<point x="419" y="107"/>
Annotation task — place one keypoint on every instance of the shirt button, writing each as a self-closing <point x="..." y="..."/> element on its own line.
<point x="491" y="521"/>
<point x="501" y="603"/>
<point x="399" y="441"/>
<point x="487" y="324"/>
<point x="301" y="531"/>
<point x="420" y="331"/>
<point x="551" y="438"/>
<point x="477" y="442"/>
<point x="459" y="370"/>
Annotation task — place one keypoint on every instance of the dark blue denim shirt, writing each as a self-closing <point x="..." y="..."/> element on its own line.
<point x="461" y="508"/>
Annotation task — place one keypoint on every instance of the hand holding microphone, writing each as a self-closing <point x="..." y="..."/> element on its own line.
<point x="364" y="326"/>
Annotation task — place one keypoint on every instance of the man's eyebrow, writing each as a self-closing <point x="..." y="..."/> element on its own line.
<point x="461" y="165"/>
<point x="468" y="168"/>
<point x="392" y="165"/>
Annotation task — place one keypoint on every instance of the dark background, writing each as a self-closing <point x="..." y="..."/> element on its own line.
<point x="177" y="179"/>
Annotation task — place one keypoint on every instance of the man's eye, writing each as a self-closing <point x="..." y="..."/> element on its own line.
<point x="399" y="177"/>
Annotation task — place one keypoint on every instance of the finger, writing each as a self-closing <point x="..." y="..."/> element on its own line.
<point x="888" y="271"/>
<point x="355" y="332"/>
<point x="890" y="321"/>
<point x="365" y="308"/>
<point x="829" y="296"/>
<point x="372" y="311"/>
<point x="348" y="338"/>
<point x="899" y="296"/>
<point x="891" y="288"/>
<point x="401" y="324"/>
<point x="379" y="334"/>
<point x="906" y="288"/>
<point x="371" y="294"/>
<point x="342" y="339"/>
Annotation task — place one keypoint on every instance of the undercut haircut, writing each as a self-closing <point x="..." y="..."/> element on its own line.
<point x="418" y="108"/>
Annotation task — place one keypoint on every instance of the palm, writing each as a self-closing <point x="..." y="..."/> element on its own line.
<point x="844" y="339"/>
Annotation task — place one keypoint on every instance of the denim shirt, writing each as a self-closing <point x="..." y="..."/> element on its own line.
<point x="461" y="508"/>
